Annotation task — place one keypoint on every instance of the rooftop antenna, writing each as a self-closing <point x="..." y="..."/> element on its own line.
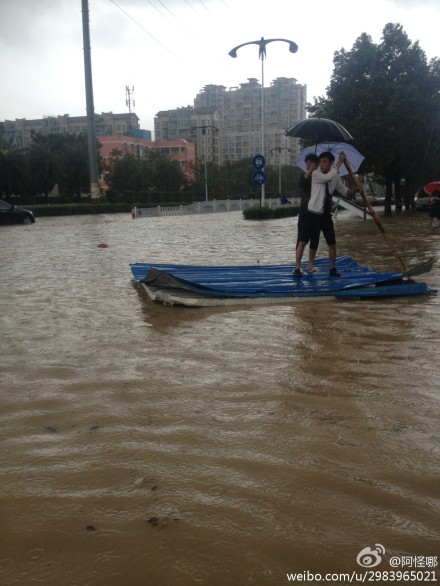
<point x="129" y="102"/>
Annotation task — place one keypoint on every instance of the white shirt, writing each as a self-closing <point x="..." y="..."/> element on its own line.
<point x="319" y="180"/>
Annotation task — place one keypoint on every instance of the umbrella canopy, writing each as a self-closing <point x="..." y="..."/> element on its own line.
<point x="319" y="130"/>
<point x="431" y="187"/>
<point x="354" y="157"/>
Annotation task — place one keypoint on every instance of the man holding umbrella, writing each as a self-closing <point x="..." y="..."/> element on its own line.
<point x="318" y="217"/>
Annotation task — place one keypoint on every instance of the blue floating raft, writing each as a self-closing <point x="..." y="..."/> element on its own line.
<point x="205" y="285"/>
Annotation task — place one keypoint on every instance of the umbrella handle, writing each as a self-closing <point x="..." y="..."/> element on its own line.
<point x="375" y="216"/>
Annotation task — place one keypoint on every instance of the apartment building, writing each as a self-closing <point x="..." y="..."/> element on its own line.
<point x="174" y="124"/>
<point x="241" y="117"/>
<point x="237" y="114"/>
<point x="106" y="123"/>
<point x="199" y="126"/>
<point x="205" y="133"/>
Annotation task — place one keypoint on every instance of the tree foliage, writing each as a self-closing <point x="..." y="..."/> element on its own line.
<point x="11" y="168"/>
<point x="387" y="96"/>
<point x="72" y="165"/>
<point x="157" y="173"/>
<point x="48" y="160"/>
<point x="234" y="179"/>
<point x="231" y="180"/>
<point x="40" y="158"/>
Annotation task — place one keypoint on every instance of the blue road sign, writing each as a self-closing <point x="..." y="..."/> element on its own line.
<point x="258" y="162"/>
<point x="259" y="177"/>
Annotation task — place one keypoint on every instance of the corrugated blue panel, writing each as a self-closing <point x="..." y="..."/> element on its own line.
<point x="403" y="289"/>
<point x="265" y="280"/>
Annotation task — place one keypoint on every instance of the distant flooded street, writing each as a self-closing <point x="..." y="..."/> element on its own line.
<point x="170" y="446"/>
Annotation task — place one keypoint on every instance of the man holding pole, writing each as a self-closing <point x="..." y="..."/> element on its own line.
<point x="318" y="216"/>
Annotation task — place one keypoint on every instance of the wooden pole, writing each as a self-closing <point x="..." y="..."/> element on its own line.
<point x="375" y="217"/>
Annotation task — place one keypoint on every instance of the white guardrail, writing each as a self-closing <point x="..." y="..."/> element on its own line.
<point x="210" y="207"/>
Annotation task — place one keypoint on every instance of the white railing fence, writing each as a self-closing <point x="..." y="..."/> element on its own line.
<point x="210" y="207"/>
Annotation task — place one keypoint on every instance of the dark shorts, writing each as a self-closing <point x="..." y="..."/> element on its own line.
<point x="310" y="227"/>
<point x="303" y="231"/>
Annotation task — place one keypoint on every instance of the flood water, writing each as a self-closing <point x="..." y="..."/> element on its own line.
<point x="166" y="446"/>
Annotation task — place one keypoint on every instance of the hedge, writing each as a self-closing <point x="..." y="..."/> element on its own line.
<point x="266" y="213"/>
<point x="80" y="208"/>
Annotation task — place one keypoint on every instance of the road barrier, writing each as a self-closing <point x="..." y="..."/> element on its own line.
<point x="210" y="207"/>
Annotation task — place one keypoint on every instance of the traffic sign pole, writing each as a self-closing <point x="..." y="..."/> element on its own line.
<point x="260" y="176"/>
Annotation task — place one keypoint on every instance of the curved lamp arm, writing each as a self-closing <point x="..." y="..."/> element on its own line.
<point x="293" y="47"/>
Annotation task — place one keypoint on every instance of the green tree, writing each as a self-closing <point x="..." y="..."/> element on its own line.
<point x="124" y="174"/>
<point x="11" y="168"/>
<point x="72" y="165"/>
<point x="168" y="175"/>
<point x="158" y="172"/>
<point x="213" y="177"/>
<point x="386" y="95"/>
<point x="41" y="163"/>
<point x="236" y="179"/>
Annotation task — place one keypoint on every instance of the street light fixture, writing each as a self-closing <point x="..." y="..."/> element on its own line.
<point x="293" y="48"/>
<point x="204" y="127"/>
<point x="279" y="149"/>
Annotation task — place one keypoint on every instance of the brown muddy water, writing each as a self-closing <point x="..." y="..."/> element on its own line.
<point x="165" y="446"/>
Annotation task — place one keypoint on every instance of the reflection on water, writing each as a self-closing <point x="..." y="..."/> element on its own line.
<point x="144" y="444"/>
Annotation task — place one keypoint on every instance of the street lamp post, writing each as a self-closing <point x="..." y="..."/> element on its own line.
<point x="279" y="149"/>
<point x="293" y="48"/>
<point x="204" y="127"/>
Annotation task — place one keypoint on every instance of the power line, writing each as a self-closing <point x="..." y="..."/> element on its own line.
<point x="190" y="37"/>
<point x="202" y="2"/>
<point x="172" y="14"/>
<point x="144" y="29"/>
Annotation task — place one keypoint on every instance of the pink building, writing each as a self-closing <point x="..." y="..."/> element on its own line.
<point x="178" y="150"/>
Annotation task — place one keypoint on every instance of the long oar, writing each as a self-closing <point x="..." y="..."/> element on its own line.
<point x="418" y="270"/>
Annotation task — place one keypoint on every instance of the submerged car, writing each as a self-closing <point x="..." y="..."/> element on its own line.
<point x="11" y="214"/>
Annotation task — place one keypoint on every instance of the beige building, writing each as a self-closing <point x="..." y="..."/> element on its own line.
<point x="236" y="113"/>
<point x="107" y="123"/>
<point x="206" y="134"/>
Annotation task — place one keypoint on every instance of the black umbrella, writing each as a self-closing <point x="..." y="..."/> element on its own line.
<point x="319" y="130"/>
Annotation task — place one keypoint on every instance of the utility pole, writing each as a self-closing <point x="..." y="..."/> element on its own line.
<point x="279" y="149"/>
<point x="204" y="127"/>
<point x="93" y="151"/>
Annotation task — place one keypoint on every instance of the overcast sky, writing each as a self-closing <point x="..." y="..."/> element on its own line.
<point x="168" y="50"/>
